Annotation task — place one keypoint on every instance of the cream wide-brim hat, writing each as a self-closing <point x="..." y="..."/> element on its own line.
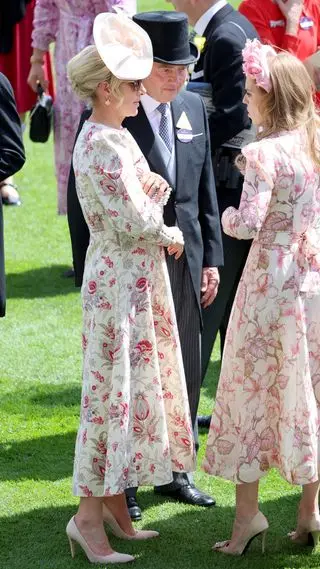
<point x="123" y="46"/>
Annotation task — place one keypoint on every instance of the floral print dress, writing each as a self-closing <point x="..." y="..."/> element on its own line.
<point x="267" y="404"/>
<point x="135" y="423"/>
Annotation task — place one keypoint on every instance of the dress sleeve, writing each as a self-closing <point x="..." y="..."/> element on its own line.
<point x="246" y="221"/>
<point x="120" y="192"/>
<point x="45" y="24"/>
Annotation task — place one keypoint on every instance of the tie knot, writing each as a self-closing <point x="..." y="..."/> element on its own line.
<point x="162" y="108"/>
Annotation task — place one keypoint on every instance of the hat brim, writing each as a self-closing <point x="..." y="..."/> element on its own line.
<point x="194" y="56"/>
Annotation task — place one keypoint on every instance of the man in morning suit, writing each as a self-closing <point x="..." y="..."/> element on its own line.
<point x="225" y="31"/>
<point x="171" y="129"/>
<point x="12" y="159"/>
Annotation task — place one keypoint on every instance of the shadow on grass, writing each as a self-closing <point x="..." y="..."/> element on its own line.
<point x="43" y="458"/>
<point x="43" y="399"/>
<point x="56" y="396"/>
<point x="37" y="539"/>
<point x="210" y="383"/>
<point x="39" y="283"/>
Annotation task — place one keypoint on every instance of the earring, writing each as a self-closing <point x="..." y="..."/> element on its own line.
<point x="107" y="102"/>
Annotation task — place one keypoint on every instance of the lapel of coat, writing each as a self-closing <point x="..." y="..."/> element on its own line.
<point x="143" y="134"/>
<point x="183" y="149"/>
<point x="217" y="20"/>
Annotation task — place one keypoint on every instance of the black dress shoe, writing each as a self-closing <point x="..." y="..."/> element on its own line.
<point x="134" y="509"/>
<point x="10" y="200"/>
<point x="204" y="421"/>
<point x="68" y="274"/>
<point x="188" y="494"/>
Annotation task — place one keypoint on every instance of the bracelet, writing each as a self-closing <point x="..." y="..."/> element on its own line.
<point x="35" y="59"/>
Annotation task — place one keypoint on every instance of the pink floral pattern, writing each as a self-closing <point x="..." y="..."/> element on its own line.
<point x="267" y="405"/>
<point x="135" y="423"/>
<point x="69" y="23"/>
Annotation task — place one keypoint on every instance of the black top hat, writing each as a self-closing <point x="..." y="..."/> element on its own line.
<point x="169" y="34"/>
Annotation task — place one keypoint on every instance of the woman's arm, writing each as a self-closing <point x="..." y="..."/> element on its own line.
<point x="246" y="221"/>
<point x="129" y="209"/>
<point x="45" y="25"/>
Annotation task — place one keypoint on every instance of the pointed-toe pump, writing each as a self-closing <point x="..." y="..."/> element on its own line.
<point x="74" y="536"/>
<point x="307" y="532"/>
<point x="111" y="521"/>
<point x="258" y="526"/>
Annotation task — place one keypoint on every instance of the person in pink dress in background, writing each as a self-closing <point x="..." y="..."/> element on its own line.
<point x="69" y="24"/>
<point x="267" y="405"/>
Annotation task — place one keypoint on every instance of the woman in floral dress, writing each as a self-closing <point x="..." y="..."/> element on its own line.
<point x="68" y="23"/>
<point x="135" y="425"/>
<point x="267" y="406"/>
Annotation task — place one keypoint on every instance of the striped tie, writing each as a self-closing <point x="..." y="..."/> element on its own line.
<point x="163" y="109"/>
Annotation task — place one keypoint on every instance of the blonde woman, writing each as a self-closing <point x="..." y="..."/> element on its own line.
<point x="267" y="405"/>
<point x="135" y="423"/>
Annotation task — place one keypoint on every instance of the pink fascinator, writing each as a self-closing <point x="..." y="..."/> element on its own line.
<point x="256" y="62"/>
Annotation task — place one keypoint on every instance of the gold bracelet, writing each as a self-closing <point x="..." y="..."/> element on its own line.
<point x="35" y="59"/>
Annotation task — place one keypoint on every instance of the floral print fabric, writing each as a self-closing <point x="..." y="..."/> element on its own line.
<point x="135" y="426"/>
<point x="267" y="405"/>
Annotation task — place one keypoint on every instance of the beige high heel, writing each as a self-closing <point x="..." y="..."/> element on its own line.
<point x="258" y="526"/>
<point x="75" y="536"/>
<point x="111" y="521"/>
<point x="307" y="533"/>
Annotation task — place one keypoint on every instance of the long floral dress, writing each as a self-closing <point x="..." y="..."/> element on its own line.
<point x="135" y="425"/>
<point x="69" y="24"/>
<point x="267" y="405"/>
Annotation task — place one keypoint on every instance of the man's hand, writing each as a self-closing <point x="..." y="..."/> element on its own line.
<point x="176" y="250"/>
<point x="209" y="285"/>
<point x="154" y="186"/>
<point x="292" y="10"/>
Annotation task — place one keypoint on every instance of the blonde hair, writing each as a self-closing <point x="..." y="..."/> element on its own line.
<point x="290" y="104"/>
<point x="86" y="70"/>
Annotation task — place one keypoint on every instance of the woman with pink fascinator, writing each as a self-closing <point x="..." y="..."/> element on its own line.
<point x="267" y="405"/>
<point x="135" y="424"/>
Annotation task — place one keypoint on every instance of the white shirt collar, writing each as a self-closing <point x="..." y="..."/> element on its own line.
<point x="154" y="116"/>
<point x="202" y="23"/>
<point x="149" y="104"/>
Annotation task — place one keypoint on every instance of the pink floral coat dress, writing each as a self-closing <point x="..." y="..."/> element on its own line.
<point x="135" y="423"/>
<point x="69" y="24"/>
<point x="267" y="404"/>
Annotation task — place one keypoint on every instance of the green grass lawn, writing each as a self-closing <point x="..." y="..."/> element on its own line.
<point x="40" y="379"/>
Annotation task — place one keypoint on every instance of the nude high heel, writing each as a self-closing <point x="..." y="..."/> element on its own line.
<point x="75" y="536"/>
<point x="307" y="533"/>
<point x="111" y="521"/>
<point x="258" y="526"/>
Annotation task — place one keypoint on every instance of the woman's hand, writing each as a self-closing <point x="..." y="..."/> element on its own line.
<point x="36" y="76"/>
<point x="176" y="249"/>
<point x="154" y="186"/>
<point x="292" y="10"/>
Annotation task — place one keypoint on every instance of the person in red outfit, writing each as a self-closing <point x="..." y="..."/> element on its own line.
<point x="16" y="19"/>
<point x="291" y="25"/>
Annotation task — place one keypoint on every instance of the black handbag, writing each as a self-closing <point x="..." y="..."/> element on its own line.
<point x="41" y="117"/>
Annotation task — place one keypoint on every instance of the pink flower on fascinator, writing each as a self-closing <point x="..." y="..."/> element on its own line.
<point x="256" y="63"/>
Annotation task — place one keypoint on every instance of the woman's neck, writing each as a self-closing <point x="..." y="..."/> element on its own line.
<point x="106" y="116"/>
